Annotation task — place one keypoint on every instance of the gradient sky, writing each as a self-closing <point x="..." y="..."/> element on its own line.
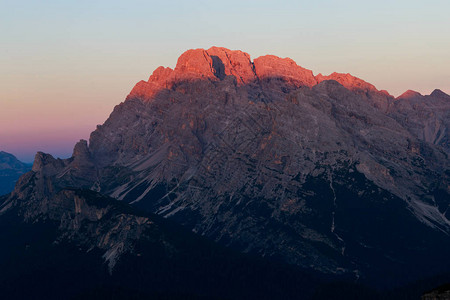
<point x="64" y="65"/>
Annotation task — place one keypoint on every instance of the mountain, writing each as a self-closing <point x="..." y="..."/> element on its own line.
<point x="425" y="117"/>
<point x="10" y="170"/>
<point x="323" y="173"/>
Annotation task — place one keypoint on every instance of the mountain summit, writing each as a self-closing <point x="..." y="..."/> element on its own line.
<point x="216" y="63"/>
<point x="320" y="172"/>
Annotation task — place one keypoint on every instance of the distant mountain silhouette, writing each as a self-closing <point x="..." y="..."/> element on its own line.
<point x="10" y="170"/>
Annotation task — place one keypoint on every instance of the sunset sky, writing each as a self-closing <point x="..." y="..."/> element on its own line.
<point x="64" y="65"/>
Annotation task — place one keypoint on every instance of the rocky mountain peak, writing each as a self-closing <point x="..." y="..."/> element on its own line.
<point x="160" y="75"/>
<point x="409" y="94"/>
<point x="42" y="159"/>
<point x="439" y="94"/>
<point x="232" y="62"/>
<point x="195" y="64"/>
<point x="216" y="63"/>
<point x="349" y="81"/>
<point x="81" y="155"/>
<point x="386" y="93"/>
<point x="9" y="161"/>
<point x="270" y="66"/>
<point x="81" y="149"/>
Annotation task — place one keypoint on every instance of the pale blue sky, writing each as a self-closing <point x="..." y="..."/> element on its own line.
<point x="65" y="64"/>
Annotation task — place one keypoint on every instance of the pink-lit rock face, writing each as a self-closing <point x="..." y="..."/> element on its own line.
<point x="409" y="94"/>
<point x="216" y="63"/>
<point x="270" y="66"/>
<point x="159" y="80"/>
<point x="144" y="90"/>
<point x="194" y="64"/>
<point x="236" y="63"/>
<point x="384" y="92"/>
<point x="378" y="99"/>
<point x="213" y="64"/>
<point x="160" y="76"/>
<point x="349" y="82"/>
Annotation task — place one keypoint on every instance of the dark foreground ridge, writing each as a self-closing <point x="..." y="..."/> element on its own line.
<point x="54" y="257"/>
<point x="336" y="188"/>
